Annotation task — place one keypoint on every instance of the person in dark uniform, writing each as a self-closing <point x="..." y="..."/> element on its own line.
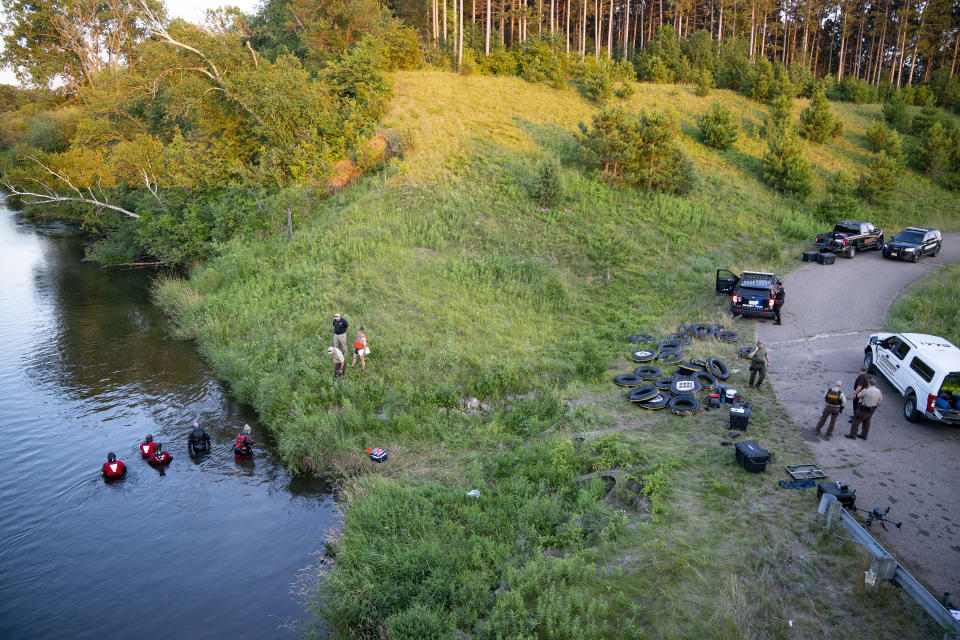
<point x="778" y="298"/>
<point x="858" y="385"/>
<point x="198" y="441"/>
<point x="759" y="362"/>
<point x="833" y="401"/>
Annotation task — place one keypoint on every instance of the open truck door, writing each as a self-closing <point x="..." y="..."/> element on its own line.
<point x="726" y="282"/>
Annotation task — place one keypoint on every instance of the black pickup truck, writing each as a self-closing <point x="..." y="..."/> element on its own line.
<point x="850" y="236"/>
<point x="750" y="292"/>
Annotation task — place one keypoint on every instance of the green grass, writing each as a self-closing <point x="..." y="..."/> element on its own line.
<point x="930" y="305"/>
<point x="467" y="287"/>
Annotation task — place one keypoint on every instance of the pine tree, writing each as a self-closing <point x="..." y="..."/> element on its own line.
<point x="784" y="167"/>
<point x="719" y="127"/>
<point x="895" y="111"/>
<point x="876" y="135"/>
<point x="878" y="183"/>
<point x="761" y="81"/>
<point x="928" y="116"/>
<point x="781" y="116"/>
<point x="817" y="123"/>
<point x="840" y="201"/>
<point x="704" y="82"/>
<point x="933" y="154"/>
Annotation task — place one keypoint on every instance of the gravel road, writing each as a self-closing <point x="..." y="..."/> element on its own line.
<point x="829" y="314"/>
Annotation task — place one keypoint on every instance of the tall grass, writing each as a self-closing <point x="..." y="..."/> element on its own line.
<point x="930" y="305"/>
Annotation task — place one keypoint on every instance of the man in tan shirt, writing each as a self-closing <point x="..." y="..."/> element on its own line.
<point x="338" y="361"/>
<point x="869" y="398"/>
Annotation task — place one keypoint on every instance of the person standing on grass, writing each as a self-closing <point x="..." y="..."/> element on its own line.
<point x="338" y="361"/>
<point x="834" y="402"/>
<point x="360" y="349"/>
<point x="858" y="385"/>
<point x="870" y="398"/>
<point x="340" y="332"/>
<point x="759" y="362"/>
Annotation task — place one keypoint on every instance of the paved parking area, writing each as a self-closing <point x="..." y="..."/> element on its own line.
<point x="912" y="467"/>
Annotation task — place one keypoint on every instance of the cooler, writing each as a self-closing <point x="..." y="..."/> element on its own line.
<point x="740" y="415"/>
<point x="751" y="456"/>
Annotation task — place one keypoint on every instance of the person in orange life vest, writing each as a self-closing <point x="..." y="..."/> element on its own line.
<point x="244" y="443"/>
<point x="360" y="349"/>
<point x="148" y="446"/>
<point x="113" y="468"/>
<point x="160" y="456"/>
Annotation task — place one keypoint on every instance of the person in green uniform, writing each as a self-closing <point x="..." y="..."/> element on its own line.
<point x="759" y="361"/>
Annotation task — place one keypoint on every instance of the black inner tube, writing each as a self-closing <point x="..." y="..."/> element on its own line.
<point x="727" y="336"/>
<point x="663" y="383"/>
<point x="628" y="380"/>
<point x="643" y="355"/>
<point x="643" y="392"/>
<point x="647" y="372"/>
<point x="656" y="402"/>
<point x="718" y="368"/>
<point x="706" y="380"/>
<point x="670" y="345"/>
<point x="642" y="338"/>
<point x="684" y="404"/>
<point x="669" y="356"/>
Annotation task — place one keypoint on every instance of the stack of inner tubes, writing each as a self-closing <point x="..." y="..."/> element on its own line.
<point x="651" y="389"/>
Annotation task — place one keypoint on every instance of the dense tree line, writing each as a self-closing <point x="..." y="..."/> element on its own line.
<point x="895" y="41"/>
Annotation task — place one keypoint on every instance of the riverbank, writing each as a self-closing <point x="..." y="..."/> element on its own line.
<point x="468" y="288"/>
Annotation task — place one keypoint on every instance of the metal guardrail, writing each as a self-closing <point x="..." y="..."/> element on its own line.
<point x="902" y="577"/>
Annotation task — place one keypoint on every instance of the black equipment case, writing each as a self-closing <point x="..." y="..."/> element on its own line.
<point x="810" y="256"/>
<point x="740" y="415"/>
<point x="845" y="495"/>
<point x="752" y="456"/>
<point x="826" y="257"/>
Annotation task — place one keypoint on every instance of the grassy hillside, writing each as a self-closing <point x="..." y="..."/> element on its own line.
<point x="466" y="287"/>
<point x="930" y="305"/>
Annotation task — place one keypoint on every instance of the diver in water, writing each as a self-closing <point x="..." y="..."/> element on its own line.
<point x="244" y="443"/>
<point x="113" y="468"/>
<point x="160" y="456"/>
<point x="148" y="446"/>
<point x="198" y="442"/>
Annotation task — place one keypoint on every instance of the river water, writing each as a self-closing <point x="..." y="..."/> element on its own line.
<point x="207" y="549"/>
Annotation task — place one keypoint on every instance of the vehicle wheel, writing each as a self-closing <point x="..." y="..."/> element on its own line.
<point x="916" y="257"/>
<point x="628" y="380"/>
<point x="910" y="409"/>
<point x="868" y="361"/>
<point x="936" y="251"/>
<point x="885" y="253"/>
<point x="647" y="372"/>
<point x="684" y="405"/>
<point x="643" y="393"/>
<point x="850" y="252"/>
<point x="718" y="369"/>
<point x="735" y="313"/>
<point x="880" y="244"/>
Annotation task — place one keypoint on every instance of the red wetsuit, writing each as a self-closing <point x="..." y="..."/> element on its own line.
<point x="114" y="469"/>
<point x="147" y="449"/>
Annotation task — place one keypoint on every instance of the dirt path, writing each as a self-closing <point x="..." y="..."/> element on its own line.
<point x="914" y="468"/>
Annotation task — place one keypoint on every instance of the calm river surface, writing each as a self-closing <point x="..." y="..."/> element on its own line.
<point x="209" y="548"/>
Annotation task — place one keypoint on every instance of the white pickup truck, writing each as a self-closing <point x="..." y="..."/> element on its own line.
<point x="921" y="367"/>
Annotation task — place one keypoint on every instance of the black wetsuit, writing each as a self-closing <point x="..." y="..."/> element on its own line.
<point x="199" y="441"/>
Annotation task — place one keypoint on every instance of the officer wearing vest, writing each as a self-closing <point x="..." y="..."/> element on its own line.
<point x="834" y="401"/>
<point x="778" y="298"/>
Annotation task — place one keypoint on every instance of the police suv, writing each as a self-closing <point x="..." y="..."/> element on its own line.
<point x="750" y="292"/>
<point x="921" y="367"/>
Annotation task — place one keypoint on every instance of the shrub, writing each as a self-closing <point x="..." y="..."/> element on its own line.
<point x="817" y="123"/>
<point x="51" y="131"/>
<point x="658" y="72"/>
<point x="895" y="111"/>
<point x="400" y="48"/>
<point x="878" y="182"/>
<point x="803" y="79"/>
<point x="547" y="187"/>
<point x="933" y="154"/>
<point x="704" y="82"/>
<point x="781" y="118"/>
<point x="718" y="127"/>
<point x="733" y="70"/>
<point x="782" y="85"/>
<point x="840" y="201"/>
<point x="857" y="90"/>
<point x="784" y="167"/>
<point x="625" y="90"/>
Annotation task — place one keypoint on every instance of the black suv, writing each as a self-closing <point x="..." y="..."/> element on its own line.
<point x="750" y="292"/>
<point x="913" y="242"/>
